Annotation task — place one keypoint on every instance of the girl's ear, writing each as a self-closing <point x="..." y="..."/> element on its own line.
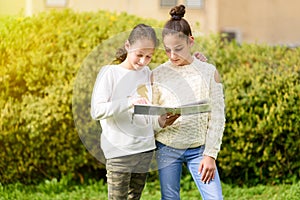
<point x="127" y="45"/>
<point x="191" y="40"/>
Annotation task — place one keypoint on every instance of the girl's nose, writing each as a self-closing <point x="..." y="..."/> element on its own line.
<point x="173" y="55"/>
<point x="142" y="61"/>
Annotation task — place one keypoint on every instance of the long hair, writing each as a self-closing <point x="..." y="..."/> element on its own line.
<point x="139" y="32"/>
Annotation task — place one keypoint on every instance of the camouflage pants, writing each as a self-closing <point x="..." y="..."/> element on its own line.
<point x="126" y="176"/>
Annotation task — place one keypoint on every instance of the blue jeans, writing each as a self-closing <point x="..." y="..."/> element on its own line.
<point x="170" y="163"/>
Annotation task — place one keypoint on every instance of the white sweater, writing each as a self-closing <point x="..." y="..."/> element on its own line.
<point x="179" y="85"/>
<point x="122" y="134"/>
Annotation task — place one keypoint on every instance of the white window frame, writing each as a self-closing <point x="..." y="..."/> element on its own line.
<point x="56" y="3"/>
<point x="194" y="3"/>
<point x="168" y="3"/>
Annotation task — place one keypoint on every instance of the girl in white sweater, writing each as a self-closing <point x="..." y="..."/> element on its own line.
<point x="127" y="142"/>
<point x="193" y="140"/>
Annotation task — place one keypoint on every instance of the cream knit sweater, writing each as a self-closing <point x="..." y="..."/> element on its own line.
<point x="179" y="85"/>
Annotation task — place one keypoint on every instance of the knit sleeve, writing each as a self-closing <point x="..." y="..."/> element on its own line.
<point x="216" y="123"/>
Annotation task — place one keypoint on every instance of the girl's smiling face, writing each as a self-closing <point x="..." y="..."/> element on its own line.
<point x="139" y="53"/>
<point x="178" y="49"/>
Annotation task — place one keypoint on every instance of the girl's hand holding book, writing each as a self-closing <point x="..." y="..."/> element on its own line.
<point x="167" y="119"/>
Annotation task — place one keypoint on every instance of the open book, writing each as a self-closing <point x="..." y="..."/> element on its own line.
<point x="188" y="109"/>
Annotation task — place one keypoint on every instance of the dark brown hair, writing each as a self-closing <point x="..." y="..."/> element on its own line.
<point x="139" y="32"/>
<point x="177" y="24"/>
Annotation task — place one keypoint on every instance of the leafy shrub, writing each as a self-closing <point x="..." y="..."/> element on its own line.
<point x="48" y="65"/>
<point x="262" y="93"/>
<point x="40" y="58"/>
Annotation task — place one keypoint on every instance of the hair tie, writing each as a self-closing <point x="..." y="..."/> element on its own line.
<point x="176" y="17"/>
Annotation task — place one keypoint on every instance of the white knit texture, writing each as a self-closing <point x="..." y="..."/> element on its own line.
<point x="179" y="85"/>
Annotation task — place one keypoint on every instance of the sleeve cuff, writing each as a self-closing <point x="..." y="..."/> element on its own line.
<point x="156" y="125"/>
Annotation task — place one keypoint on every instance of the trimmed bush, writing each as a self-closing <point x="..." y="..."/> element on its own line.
<point x="262" y="92"/>
<point x="40" y="58"/>
<point x="48" y="65"/>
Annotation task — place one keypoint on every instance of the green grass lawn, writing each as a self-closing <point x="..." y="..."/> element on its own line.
<point x="68" y="190"/>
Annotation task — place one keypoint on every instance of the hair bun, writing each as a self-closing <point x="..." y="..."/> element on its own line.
<point x="177" y="12"/>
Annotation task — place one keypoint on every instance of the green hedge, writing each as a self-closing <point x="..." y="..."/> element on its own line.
<point x="40" y="59"/>
<point x="262" y="90"/>
<point x="48" y="65"/>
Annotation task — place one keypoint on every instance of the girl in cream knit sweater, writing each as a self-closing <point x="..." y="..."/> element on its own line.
<point x="193" y="140"/>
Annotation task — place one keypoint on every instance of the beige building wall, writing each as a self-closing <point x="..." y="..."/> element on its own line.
<point x="142" y="8"/>
<point x="24" y="7"/>
<point x="12" y="7"/>
<point x="263" y="21"/>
